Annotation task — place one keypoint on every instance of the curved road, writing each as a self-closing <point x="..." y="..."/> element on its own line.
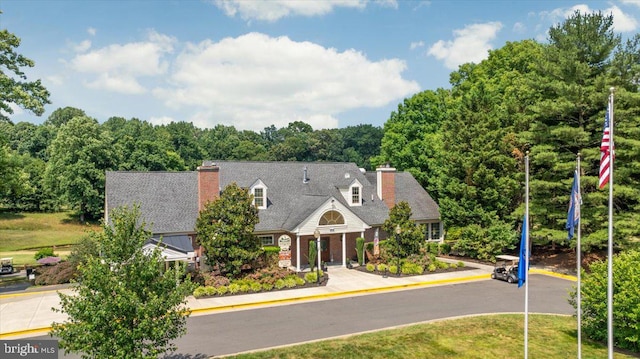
<point x="243" y="330"/>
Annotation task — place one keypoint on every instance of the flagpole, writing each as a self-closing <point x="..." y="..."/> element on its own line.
<point x="527" y="255"/>
<point x="579" y="258"/>
<point x="610" y="243"/>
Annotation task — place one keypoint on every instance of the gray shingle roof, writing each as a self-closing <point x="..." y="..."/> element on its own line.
<point x="169" y="200"/>
<point x="291" y="200"/>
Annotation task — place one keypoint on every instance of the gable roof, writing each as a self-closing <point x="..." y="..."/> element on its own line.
<point x="169" y="200"/>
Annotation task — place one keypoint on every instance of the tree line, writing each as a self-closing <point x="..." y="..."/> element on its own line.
<point x="62" y="162"/>
<point x="466" y="145"/>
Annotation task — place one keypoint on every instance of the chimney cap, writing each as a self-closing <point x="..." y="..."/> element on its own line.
<point x="207" y="163"/>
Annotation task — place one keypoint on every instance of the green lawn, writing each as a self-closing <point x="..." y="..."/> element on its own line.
<point x="22" y="234"/>
<point x="490" y="336"/>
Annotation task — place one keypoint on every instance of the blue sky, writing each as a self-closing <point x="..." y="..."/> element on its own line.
<point x="252" y="64"/>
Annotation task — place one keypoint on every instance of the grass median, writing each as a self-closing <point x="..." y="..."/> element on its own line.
<point x="490" y="336"/>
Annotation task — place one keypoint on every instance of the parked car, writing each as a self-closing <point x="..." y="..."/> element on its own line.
<point x="506" y="269"/>
<point x="6" y="265"/>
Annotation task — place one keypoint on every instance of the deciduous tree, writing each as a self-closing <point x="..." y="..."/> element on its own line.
<point x="125" y="304"/>
<point x="14" y="87"/>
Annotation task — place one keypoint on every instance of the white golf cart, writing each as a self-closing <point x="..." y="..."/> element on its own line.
<point x="506" y="268"/>
<point x="6" y="265"/>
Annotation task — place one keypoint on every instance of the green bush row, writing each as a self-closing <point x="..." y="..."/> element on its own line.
<point x="240" y="286"/>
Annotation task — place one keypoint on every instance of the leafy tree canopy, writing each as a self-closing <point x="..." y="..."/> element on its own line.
<point x="126" y="305"/>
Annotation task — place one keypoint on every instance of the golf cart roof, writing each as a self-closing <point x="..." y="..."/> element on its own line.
<point x="506" y="257"/>
<point x="6" y="259"/>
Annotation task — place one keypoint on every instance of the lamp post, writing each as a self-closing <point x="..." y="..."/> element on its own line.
<point x="398" y="230"/>
<point x="316" y="234"/>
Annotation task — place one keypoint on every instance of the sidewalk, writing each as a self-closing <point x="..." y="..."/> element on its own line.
<point x="29" y="313"/>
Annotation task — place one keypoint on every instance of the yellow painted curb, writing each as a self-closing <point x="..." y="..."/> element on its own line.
<point x="43" y="330"/>
<point x="13" y="295"/>
<point x="553" y="274"/>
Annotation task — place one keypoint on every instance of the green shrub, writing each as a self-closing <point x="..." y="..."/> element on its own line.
<point x="626" y="296"/>
<point x="290" y="282"/>
<point x="433" y="248"/>
<point x="483" y="243"/>
<point x="200" y="292"/>
<point x="44" y="252"/>
<point x="432" y="267"/>
<point x="256" y="287"/>
<point x="234" y="288"/>
<point x="371" y="267"/>
<point x="382" y="267"/>
<point x="210" y="291"/>
<point x="280" y="284"/>
<point x="445" y="248"/>
<point x="313" y="255"/>
<point x="393" y="269"/>
<point x="360" y="250"/>
<point x="460" y="264"/>
<point x="411" y="268"/>
<point x="441" y="265"/>
<point x="310" y="277"/>
<point x="267" y="287"/>
<point x="271" y="249"/>
<point x="222" y="290"/>
<point x="300" y="281"/>
<point x="244" y="288"/>
<point x="369" y="247"/>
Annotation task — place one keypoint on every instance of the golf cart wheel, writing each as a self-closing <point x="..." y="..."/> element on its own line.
<point x="510" y="280"/>
<point x="493" y="276"/>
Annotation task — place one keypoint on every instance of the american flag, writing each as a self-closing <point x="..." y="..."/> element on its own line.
<point x="605" y="151"/>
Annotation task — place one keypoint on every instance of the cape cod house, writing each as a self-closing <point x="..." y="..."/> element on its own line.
<point x="298" y="202"/>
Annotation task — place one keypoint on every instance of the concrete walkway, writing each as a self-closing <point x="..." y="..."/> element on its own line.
<point x="24" y="314"/>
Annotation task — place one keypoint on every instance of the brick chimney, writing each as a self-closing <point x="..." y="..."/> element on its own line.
<point x="208" y="183"/>
<point x="386" y="182"/>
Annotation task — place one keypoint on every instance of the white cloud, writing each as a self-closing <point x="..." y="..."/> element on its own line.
<point x="631" y="2"/>
<point x="622" y="21"/>
<point x="470" y="44"/>
<point x="118" y="67"/>
<point x="254" y="80"/>
<point x="162" y="120"/>
<point x="82" y="47"/>
<point x="91" y="31"/>
<point x="274" y="10"/>
<point x="388" y="3"/>
<point x="519" y="28"/>
<point x="416" y="44"/>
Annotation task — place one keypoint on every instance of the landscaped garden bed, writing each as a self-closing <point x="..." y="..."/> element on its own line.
<point x="264" y="280"/>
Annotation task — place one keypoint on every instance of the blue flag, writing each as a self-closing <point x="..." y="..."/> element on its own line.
<point x="573" y="215"/>
<point x="524" y="253"/>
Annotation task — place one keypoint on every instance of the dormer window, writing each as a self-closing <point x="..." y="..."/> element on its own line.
<point x="355" y="195"/>
<point x="259" y="192"/>
<point x="258" y="197"/>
